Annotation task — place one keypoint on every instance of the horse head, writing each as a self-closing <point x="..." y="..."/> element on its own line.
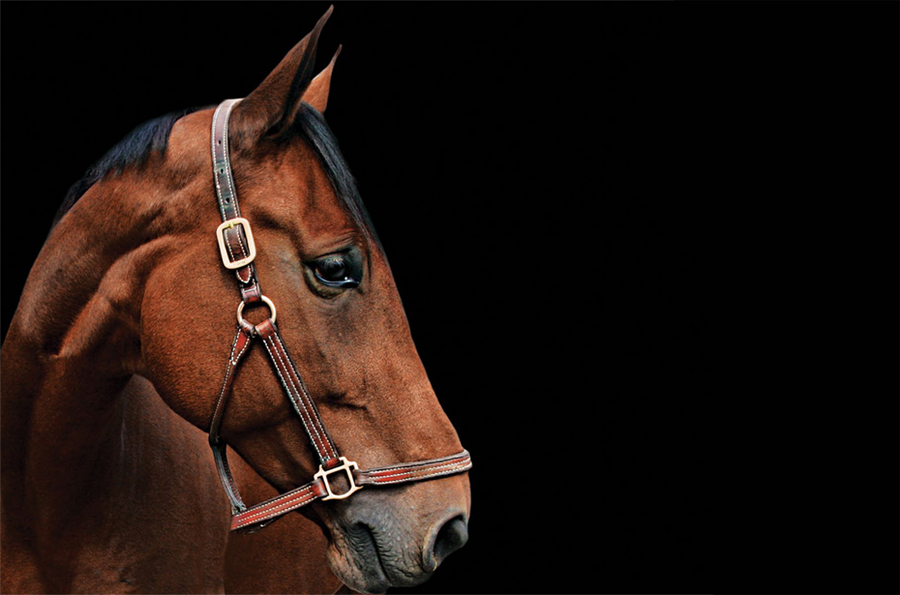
<point x="320" y="263"/>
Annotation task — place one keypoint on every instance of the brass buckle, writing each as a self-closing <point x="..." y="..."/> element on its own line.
<point x="346" y="466"/>
<point x="223" y="249"/>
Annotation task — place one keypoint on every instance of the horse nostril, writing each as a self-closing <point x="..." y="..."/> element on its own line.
<point x="452" y="536"/>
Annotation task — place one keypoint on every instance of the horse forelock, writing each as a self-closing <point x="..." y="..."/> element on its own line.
<point x="310" y="124"/>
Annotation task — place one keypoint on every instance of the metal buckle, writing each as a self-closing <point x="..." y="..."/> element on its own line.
<point x="346" y="466"/>
<point x="223" y="248"/>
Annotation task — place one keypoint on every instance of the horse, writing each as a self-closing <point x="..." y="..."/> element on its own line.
<point x="112" y="372"/>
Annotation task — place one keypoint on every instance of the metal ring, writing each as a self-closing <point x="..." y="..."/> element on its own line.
<point x="266" y="300"/>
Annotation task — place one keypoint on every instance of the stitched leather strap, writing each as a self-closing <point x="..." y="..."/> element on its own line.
<point x="238" y="349"/>
<point x="297" y="393"/>
<point x="418" y="471"/>
<point x="235" y="237"/>
<point x="259" y="515"/>
<point x="238" y="251"/>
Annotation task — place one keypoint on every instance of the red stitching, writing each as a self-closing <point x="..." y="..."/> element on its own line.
<point x="288" y="383"/>
<point x="412" y="468"/>
<point x="439" y="473"/>
<point x="270" y="510"/>
<point x="292" y="494"/>
<point x="421" y="470"/>
<point x="317" y="424"/>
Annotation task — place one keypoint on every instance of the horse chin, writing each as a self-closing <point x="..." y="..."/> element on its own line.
<point x="363" y="564"/>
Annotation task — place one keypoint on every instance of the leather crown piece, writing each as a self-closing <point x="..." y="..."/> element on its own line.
<point x="238" y="251"/>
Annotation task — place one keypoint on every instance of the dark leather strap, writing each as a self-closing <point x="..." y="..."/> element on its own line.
<point x="251" y="519"/>
<point x="239" y="348"/>
<point x="237" y="248"/>
<point x="418" y="471"/>
<point x="298" y="394"/>
<point x="236" y="239"/>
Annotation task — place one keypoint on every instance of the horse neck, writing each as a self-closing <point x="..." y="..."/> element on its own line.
<point x="71" y="348"/>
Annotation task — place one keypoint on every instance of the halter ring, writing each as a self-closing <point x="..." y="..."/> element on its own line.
<point x="265" y="300"/>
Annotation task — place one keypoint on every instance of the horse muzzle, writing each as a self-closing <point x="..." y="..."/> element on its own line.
<point x="382" y="541"/>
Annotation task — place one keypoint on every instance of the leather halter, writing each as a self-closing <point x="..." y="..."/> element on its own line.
<point x="238" y="251"/>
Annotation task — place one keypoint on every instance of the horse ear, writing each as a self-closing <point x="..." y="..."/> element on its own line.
<point x="317" y="93"/>
<point x="270" y="109"/>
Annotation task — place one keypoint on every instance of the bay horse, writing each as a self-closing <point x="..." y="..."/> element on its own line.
<point x="112" y="372"/>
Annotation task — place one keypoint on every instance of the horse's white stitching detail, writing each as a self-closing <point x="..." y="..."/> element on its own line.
<point x="228" y="372"/>
<point x="225" y="161"/>
<point x="276" y="502"/>
<point x="245" y="519"/>
<point x="228" y="178"/>
<point x="244" y="251"/>
<point x="325" y="437"/>
<point x="213" y="148"/>
<point x="308" y="404"/>
<point x="226" y="106"/>
<point x="418" y="477"/>
<point x="243" y="349"/>
<point x="251" y="521"/>
<point x="299" y="386"/>
<point x="238" y="273"/>
<point x="287" y="379"/>
<point x="289" y="388"/>
<point x="453" y="460"/>
<point x="415" y="471"/>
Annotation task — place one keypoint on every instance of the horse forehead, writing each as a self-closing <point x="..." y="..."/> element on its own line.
<point x="293" y="181"/>
<point x="286" y="180"/>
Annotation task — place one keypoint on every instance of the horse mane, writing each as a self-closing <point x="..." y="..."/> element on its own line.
<point x="153" y="137"/>
<point x="150" y="137"/>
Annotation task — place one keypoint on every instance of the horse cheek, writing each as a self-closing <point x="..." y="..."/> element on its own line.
<point x="177" y="343"/>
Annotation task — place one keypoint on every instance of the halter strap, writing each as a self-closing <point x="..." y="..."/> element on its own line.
<point x="263" y="513"/>
<point x="238" y="251"/>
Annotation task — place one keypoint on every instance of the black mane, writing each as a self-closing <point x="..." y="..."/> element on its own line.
<point x="153" y="136"/>
<point x="150" y="137"/>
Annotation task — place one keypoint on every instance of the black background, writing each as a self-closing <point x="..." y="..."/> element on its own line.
<point x="554" y="186"/>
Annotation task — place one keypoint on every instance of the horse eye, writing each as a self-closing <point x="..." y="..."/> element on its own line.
<point x="336" y="271"/>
